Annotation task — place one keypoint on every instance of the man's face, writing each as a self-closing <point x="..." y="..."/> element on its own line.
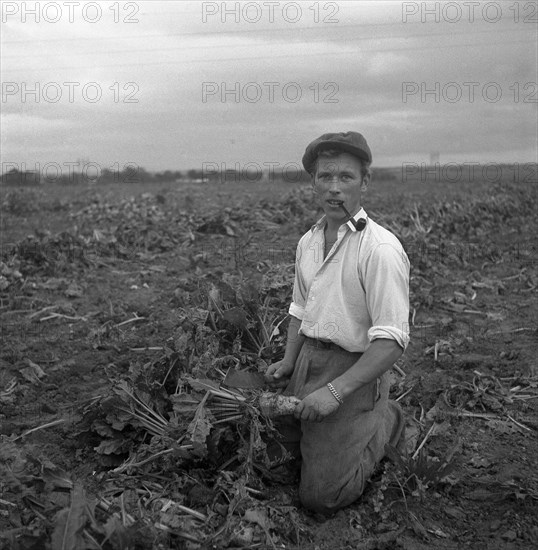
<point x="338" y="180"/>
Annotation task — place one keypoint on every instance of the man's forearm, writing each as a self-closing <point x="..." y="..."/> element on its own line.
<point x="294" y="342"/>
<point x="377" y="359"/>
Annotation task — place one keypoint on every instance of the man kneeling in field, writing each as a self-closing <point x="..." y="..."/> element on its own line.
<point x="349" y="319"/>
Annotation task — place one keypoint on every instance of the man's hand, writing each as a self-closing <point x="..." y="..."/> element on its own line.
<point x="316" y="406"/>
<point x="278" y="374"/>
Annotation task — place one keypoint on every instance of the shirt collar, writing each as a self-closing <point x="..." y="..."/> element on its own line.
<point x="320" y="224"/>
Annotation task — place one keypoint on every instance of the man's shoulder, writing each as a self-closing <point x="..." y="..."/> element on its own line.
<point x="305" y="238"/>
<point x="377" y="234"/>
<point x="380" y="242"/>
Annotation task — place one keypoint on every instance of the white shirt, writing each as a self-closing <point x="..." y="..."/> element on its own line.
<point x="360" y="292"/>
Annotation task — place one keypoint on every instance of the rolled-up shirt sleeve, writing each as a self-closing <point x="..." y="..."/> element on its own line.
<point x="297" y="306"/>
<point x="386" y="285"/>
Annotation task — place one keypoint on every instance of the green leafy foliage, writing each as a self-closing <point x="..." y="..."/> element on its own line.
<point x="70" y="522"/>
<point x="421" y="472"/>
<point x="175" y="461"/>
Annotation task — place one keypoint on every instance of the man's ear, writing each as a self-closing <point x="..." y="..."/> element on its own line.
<point x="365" y="182"/>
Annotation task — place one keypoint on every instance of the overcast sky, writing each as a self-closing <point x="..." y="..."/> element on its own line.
<point x="300" y="69"/>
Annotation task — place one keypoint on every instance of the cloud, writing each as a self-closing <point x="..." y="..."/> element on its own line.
<point x="369" y="71"/>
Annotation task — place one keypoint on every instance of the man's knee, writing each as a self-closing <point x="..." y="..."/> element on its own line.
<point x="328" y="498"/>
<point x="318" y="504"/>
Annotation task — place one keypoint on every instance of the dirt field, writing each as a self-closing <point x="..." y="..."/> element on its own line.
<point x="111" y="290"/>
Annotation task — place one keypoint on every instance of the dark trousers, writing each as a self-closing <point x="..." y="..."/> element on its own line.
<point x="339" y="453"/>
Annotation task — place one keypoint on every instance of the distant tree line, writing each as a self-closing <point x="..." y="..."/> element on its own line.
<point x="131" y="173"/>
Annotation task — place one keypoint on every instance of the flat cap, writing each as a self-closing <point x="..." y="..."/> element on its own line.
<point x="347" y="142"/>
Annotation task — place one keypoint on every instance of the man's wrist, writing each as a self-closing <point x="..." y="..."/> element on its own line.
<point x="344" y="389"/>
<point x="335" y="394"/>
<point x="288" y="364"/>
